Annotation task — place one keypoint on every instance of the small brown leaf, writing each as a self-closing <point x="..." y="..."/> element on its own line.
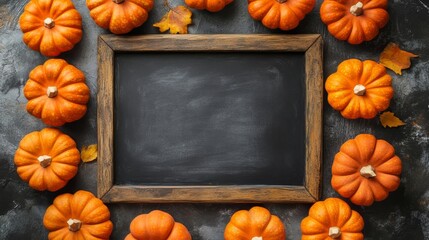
<point x="88" y="153"/>
<point x="177" y="20"/>
<point x="396" y="59"/>
<point x="388" y="119"/>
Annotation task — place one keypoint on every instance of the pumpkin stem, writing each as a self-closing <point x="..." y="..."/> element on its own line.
<point x="359" y="90"/>
<point x="118" y="1"/>
<point x="334" y="232"/>
<point x="49" y="23"/>
<point x="52" y="91"/>
<point x="44" y="160"/>
<point x="280" y="1"/>
<point x="74" y="224"/>
<point x="357" y="9"/>
<point x="368" y="172"/>
<point x="257" y="238"/>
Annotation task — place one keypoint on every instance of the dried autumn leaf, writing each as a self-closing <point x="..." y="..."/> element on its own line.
<point x="396" y="59"/>
<point x="88" y="153"/>
<point x="390" y="120"/>
<point x="177" y="20"/>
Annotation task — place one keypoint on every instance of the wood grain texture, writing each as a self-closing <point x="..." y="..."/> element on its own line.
<point x="219" y="194"/>
<point x="314" y="117"/>
<point x="212" y="42"/>
<point x="105" y="118"/>
<point x="311" y="44"/>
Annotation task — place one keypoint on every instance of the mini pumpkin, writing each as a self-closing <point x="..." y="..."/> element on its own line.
<point x="255" y="224"/>
<point x="78" y="216"/>
<point x="283" y="14"/>
<point x="332" y="219"/>
<point x="119" y="16"/>
<point x="51" y="26"/>
<point x="366" y="170"/>
<point x="359" y="89"/>
<point x="354" y="21"/>
<point x="47" y="160"/>
<point x="157" y="225"/>
<point x="56" y="92"/>
<point x="209" y="5"/>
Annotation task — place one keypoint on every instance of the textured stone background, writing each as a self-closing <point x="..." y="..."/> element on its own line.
<point x="404" y="215"/>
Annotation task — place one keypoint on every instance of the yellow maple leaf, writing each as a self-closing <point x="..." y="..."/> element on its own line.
<point x="177" y="20"/>
<point x="388" y="119"/>
<point x="88" y="153"/>
<point x="396" y="59"/>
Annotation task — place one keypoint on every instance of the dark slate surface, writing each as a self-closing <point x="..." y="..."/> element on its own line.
<point x="404" y="215"/>
<point x="209" y="119"/>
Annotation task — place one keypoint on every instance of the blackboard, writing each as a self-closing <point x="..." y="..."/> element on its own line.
<point x="209" y="118"/>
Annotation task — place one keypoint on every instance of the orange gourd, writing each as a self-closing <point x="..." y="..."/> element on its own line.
<point x="119" y="16"/>
<point x="209" y="5"/>
<point x="157" y="225"/>
<point x="359" y="89"/>
<point x="78" y="216"/>
<point x="47" y="160"/>
<point x="354" y="21"/>
<point x="51" y="26"/>
<point x="283" y="14"/>
<point x="257" y="223"/>
<point x="366" y="170"/>
<point x="332" y="219"/>
<point x="56" y="92"/>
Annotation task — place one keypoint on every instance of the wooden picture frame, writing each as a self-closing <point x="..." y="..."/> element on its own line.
<point x="309" y="44"/>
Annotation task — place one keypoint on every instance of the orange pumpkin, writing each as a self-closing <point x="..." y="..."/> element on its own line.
<point x="359" y="89"/>
<point x="78" y="216"/>
<point x="366" y="170"/>
<point x="283" y="14"/>
<point x="157" y="225"/>
<point x="51" y="26"/>
<point x="47" y="160"/>
<point x="257" y="223"/>
<point x="56" y="92"/>
<point x="119" y="16"/>
<point x="209" y="5"/>
<point x="332" y="219"/>
<point x="354" y="21"/>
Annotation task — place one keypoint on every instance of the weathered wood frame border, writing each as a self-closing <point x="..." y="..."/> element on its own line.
<point x="311" y="44"/>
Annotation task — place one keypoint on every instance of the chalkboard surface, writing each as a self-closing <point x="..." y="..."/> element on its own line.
<point x="209" y="118"/>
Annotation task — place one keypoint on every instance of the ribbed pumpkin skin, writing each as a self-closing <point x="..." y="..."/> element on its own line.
<point x="73" y="94"/>
<point x="275" y="14"/>
<point x="332" y="212"/>
<point x="362" y="151"/>
<point x="343" y="25"/>
<point x="340" y="86"/>
<point x="83" y="206"/>
<point x="257" y="222"/>
<point x="51" y="142"/>
<point x="51" y="41"/>
<point x="157" y="225"/>
<point x="119" y="18"/>
<point x="209" y="5"/>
